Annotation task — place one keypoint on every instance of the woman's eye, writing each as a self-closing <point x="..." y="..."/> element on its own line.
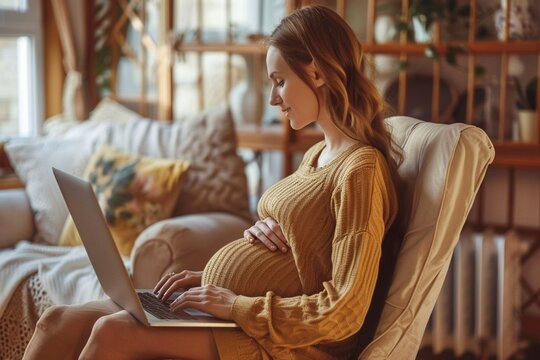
<point x="280" y="84"/>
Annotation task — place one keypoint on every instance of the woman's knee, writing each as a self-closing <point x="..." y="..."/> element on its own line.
<point x="110" y="337"/>
<point x="111" y="329"/>
<point x="54" y="318"/>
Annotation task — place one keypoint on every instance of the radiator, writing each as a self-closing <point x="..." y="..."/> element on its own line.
<point x="478" y="308"/>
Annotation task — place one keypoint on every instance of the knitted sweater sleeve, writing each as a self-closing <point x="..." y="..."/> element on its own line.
<point x="361" y="207"/>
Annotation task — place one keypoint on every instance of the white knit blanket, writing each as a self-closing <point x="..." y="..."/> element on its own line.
<point x="65" y="272"/>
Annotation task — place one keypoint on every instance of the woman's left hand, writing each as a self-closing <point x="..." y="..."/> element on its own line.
<point x="212" y="299"/>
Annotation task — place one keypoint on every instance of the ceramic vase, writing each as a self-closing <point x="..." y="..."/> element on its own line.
<point x="528" y="126"/>
<point x="246" y="98"/>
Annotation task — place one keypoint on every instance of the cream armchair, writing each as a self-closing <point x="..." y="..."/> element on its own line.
<point x="442" y="170"/>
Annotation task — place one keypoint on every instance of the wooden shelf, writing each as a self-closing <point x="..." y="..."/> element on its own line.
<point x="273" y="138"/>
<point x="517" y="155"/>
<point x="245" y="49"/>
<point x="475" y="48"/>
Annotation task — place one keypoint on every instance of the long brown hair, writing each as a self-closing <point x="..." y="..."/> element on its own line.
<point x="316" y="34"/>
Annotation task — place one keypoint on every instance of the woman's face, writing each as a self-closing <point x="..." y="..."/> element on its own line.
<point x="295" y="98"/>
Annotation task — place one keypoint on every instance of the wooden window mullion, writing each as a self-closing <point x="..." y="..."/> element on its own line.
<point x="402" y="92"/>
<point x="436" y="93"/>
<point x="504" y="77"/>
<point x="471" y="65"/>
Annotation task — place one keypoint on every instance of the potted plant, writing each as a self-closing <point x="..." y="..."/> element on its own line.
<point x="526" y="109"/>
<point x="423" y="14"/>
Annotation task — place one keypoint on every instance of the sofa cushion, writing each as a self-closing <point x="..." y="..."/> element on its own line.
<point x="32" y="160"/>
<point x="134" y="192"/>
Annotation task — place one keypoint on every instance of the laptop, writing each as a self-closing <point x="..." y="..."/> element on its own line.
<point x="109" y="267"/>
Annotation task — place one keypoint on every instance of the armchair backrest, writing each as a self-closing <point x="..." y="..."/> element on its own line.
<point x="442" y="170"/>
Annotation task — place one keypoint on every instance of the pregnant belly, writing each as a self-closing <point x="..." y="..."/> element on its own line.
<point x="252" y="270"/>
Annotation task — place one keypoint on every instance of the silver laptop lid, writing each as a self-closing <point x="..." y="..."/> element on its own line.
<point x="98" y="242"/>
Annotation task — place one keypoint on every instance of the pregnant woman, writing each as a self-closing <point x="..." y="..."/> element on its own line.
<point x="308" y="280"/>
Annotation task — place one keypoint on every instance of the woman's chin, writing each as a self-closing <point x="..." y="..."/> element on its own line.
<point x="298" y="125"/>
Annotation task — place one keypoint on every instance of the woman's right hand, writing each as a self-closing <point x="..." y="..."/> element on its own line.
<point x="269" y="232"/>
<point x="171" y="282"/>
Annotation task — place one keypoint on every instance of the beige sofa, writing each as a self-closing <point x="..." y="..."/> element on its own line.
<point x="213" y="204"/>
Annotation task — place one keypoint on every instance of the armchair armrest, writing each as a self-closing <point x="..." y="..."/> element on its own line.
<point x="16" y="218"/>
<point x="182" y="243"/>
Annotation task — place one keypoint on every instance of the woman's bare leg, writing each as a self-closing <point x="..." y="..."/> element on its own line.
<point x="62" y="331"/>
<point x="120" y="336"/>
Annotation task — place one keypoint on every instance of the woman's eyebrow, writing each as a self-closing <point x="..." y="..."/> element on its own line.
<point x="273" y="74"/>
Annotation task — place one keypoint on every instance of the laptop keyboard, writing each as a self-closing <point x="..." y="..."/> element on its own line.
<point x="157" y="307"/>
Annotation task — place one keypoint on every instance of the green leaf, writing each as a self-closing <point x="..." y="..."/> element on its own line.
<point x="125" y="215"/>
<point x="479" y="70"/>
<point x="482" y="32"/>
<point x="452" y="52"/>
<point x="109" y="216"/>
<point x="465" y="10"/>
<point x="532" y="87"/>
<point x="431" y="52"/>
<point x="402" y="26"/>
<point x="123" y="177"/>
<point x="118" y="199"/>
<point x="451" y="56"/>
<point x="107" y="165"/>
<point x="451" y="5"/>
<point x="403" y="65"/>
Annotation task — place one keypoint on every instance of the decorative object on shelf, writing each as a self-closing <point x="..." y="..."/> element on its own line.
<point x="245" y="98"/>
<point x="385" y="31"/>
<point x="523" y="22"/>
<point x="526" y="109"/>
<point x="419" y="105"/>
<point x="492" y="110"/>
<point x="528" y="126"/>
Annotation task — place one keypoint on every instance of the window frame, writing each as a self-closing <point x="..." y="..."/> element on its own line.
<point x="15" y="23"/>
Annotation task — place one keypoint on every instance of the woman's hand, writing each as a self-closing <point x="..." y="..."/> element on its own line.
<point x="171" y="282"/>
<point x="212" y="299"/>
<point x="269" y="233"/>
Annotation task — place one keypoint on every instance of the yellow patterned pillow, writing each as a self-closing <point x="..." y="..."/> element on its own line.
<point x="133" y="191"/>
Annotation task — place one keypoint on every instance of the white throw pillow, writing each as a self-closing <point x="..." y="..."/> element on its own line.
<point x="32" y="160"/>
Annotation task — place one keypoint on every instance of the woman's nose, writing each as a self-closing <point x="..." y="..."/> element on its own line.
<point x="274" y="99"/>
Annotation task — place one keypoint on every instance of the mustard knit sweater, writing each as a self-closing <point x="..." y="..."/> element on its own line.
<point x="311" y="302"/>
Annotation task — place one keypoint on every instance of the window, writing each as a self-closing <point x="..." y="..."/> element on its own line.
<point x="21" y="95"/>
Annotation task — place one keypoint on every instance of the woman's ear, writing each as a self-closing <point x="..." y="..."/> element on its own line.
<point x="315" y="75"/>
